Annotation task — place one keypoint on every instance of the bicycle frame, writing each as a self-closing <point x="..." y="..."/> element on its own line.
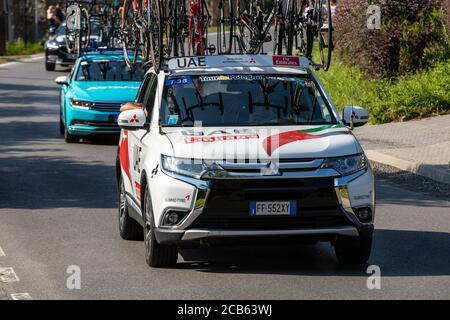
<point x="197" y="24"/>
<point x="259" y="27"/>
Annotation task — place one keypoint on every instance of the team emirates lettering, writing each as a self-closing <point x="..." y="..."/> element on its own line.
<point x="286" y="61"/>
<point x="221" y="138"/>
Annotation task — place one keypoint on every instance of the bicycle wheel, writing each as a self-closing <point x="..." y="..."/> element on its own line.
<point x="204" y="23"/>
<point x="246" y="28"/>
<point x="304" y="30"/>
<point x="290" y="30"/>
<point x="181" y="27"/>
<point x="144" y="41"/>
<point x="129" y="41"/>
<point x="279" y="35"/>
<point x="225" y="24"/>
<point x="173" y="13"/>
<point x="325" y="30"/>
<point x="156" y="34"/>
<point x="85" y="35"/>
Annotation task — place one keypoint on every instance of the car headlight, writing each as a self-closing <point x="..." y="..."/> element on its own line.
<point x="346" y="165"/>
<point x="81" y="104"/>
<point x="194" y="168"/>
<point x="52" y="45"/>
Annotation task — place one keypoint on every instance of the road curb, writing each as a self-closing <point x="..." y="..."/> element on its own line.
<point x="31" y="58"/>
<point x="437" y="174"/>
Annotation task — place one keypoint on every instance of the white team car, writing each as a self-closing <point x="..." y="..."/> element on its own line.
<point x="242" y="149"/>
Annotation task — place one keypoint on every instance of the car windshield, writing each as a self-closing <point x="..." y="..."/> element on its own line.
<point x="245" y="100"/>
<point x="61" y="31"/>
<point x="109" y="70"/>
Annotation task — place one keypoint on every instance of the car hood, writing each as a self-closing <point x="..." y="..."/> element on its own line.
<point x="278" y="142"/>
<point x="122" y="91"/>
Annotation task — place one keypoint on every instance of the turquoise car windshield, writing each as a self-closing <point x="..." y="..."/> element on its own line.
<point x="109" y="70"/>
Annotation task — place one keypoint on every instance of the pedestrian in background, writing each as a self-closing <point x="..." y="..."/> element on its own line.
<point x="50" y="17"/>
<point x="59" y="14"/>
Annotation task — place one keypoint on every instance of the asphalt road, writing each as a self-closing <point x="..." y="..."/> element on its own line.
<point x="58" y="208"/>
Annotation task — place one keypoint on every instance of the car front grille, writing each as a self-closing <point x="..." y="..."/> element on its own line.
<point x="107" y="106"/>
<point x="228" y="204"/>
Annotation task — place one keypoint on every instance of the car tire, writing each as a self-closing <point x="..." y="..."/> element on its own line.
<point x="70" y="138"/>
<point x="49" y="66"/>
<point x="156" y="254"/>
<point x="61" y="126"/>
<point x="353" y="250"/>
<point x="129" y="229"/>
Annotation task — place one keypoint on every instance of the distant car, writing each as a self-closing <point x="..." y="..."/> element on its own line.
<point x="93" y="93"/>
<point x="56" y="52"/>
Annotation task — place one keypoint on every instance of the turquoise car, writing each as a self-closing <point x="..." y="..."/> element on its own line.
<point x="93" y="92"/>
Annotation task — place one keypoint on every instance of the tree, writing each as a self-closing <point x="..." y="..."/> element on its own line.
<point x="413" y="35"/>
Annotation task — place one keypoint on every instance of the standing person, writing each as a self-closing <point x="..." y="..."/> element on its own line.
<point x="333" y="7"/>
<point x="50" y="16"/>
<point x="59" y="13"/>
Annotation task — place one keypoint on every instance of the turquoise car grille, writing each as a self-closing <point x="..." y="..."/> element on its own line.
<point x="106" y="106"/>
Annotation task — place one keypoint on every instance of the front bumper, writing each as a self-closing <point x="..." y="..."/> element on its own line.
<point x="60" y="56"/>
<point x="87" y="122"/>
<point x="327" y="208"/>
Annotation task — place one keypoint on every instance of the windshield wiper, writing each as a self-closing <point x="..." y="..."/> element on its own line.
<point x="177" y="125"/>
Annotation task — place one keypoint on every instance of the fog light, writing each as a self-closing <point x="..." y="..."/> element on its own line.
<point x="173" y="218"/>
<point x="364" y="214"/>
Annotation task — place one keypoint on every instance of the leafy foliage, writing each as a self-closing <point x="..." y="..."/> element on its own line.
<point x="19" y="47"/>
<point x="413" y="35"/>
<point x="418" y="95"/>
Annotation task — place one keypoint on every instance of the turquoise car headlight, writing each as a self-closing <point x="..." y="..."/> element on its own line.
<point x="346" y="165"/>
<point x="81" y="104"/>
<point x="194" y="168"/>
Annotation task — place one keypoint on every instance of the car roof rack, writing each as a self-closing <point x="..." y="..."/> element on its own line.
<point x="227" y="61"/>
<point x="91" y="51"/>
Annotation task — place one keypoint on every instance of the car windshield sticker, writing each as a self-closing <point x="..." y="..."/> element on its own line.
<point x="175" y="81"/>
<point x="173" y="119"/>
<point x="230" y="77"/>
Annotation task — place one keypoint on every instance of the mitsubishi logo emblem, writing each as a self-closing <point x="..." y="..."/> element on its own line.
<point x="135" y="119"/>
<point x="271" y="169"/>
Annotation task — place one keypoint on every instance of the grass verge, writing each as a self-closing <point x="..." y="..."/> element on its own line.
<point x="422" y="94"/>
<point x="19" y="47"/>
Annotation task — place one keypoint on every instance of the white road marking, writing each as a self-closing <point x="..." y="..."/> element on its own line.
<point x="21" y="296"/>
<point x="2" y="253"/>
<point x="8" y="275"/>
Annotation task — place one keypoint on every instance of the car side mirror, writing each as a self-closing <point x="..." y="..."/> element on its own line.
<point x="354" y="116"/>
<point x="62" y="80"/>
<point x="133" y="119"/>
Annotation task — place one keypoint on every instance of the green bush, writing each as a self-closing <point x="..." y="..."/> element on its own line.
<point x="413" y="36"/>
<point x="19" y="47"/>
<point x="422" y="94"/>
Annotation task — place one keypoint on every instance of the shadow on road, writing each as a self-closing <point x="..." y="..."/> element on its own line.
<point x="25" y="88"/>
<point x="399" y="253"/>
<point x="34" y="182"/>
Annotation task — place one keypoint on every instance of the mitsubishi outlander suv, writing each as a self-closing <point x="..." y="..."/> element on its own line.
<point x="241" y="149"/>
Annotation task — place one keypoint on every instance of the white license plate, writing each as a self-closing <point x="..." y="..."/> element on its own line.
<point x="273" y="208"/>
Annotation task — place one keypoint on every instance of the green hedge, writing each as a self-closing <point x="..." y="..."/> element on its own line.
<point x="19" y="47"/>
<point x="422" y="94"/>
<point x="412" y="36"/>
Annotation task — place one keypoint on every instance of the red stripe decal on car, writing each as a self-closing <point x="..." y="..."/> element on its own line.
<point x="275" y="141"/>
<point x="123" y="154"/>
<point x="272" y="143"/>
<point x="138" y="190"/>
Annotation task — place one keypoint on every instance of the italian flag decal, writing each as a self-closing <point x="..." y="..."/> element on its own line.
<point x="273" y="142"/>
